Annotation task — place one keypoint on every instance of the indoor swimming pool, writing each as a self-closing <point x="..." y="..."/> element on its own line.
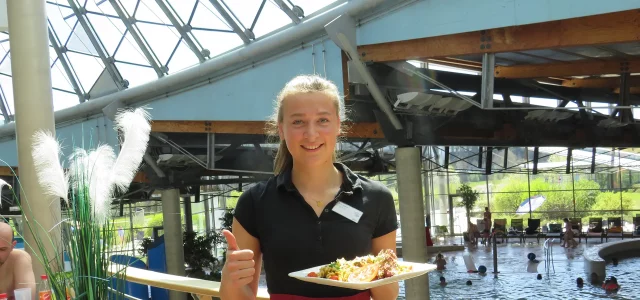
<point x="514" y="282"/>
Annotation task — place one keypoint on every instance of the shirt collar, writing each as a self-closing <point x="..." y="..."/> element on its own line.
<point x="350" y="181"/>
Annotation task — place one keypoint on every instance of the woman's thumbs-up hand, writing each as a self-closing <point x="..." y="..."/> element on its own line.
<point x="239" y="267"/>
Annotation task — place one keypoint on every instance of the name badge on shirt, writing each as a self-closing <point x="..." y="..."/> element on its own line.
<point x="347" y="211"/>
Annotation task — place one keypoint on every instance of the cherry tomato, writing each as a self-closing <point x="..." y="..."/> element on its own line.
<point x="312" y="274"/>
<point x="334" y="277"/>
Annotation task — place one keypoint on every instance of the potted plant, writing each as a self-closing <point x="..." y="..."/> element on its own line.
<point x="86" y="187"/>
<point x="198" y="255"/>
<point x="468" y="199"/>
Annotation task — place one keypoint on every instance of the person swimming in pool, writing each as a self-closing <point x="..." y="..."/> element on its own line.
<point x="440" y="262"/>
<point x="579" y="282"/>
<point x="443" y="281"/>
<point x="611" y="285"/>
<point x="594" y="278"/>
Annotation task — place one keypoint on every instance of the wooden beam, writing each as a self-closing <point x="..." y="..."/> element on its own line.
<point x="600" y="83"/>
<point x="141" y="177"/>
<point x="370" y="130"/>
<point x="345" y="75"/>
<point x="6" y="171"/>
<point x="611" y="28"/>
<point x="574" y="68"/>
<point x="632" y="90"/>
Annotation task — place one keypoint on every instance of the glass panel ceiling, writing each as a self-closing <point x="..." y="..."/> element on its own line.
<point x="97" y="38"/>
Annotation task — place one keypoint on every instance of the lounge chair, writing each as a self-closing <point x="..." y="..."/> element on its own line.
<point x="614" y="228"/>
<point x="595" y="230"/>
<point x="532" y="230"/>
<point x="515" y="231"/>
<point x="482" y="227"/>
<point x="555" y="231"/>
<point x="500" y="228"/>
<point x="636" y="227"/>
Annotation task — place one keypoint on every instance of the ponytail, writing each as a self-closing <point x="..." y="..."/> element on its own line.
<point x="283" y="160"/>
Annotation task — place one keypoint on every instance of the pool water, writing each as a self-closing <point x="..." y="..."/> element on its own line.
<point x="514" y="282"/>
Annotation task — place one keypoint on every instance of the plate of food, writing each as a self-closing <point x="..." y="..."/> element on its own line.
<point x="365" y="272"/>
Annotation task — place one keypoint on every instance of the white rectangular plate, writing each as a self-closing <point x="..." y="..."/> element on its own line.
<point x="417" y="270"/>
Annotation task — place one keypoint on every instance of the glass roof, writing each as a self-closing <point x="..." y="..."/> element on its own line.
<point x="98" y="47"/>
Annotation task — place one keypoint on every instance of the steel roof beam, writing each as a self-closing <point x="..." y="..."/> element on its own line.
<point x="109" y="62"/>
<point x="5" y="109"/>
<point x="129" y="22"/>
<point x="292" y="15"/>
<point x="232" y="23"/>
<point x="62" y="56"/>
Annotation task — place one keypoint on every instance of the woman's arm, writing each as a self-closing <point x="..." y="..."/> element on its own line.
<point x="245" y="241"/>
<point x="389" y="291"/>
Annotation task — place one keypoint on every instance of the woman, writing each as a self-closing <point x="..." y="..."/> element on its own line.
<point x="473" y="233"/>
<point x="487" y="220"/>
<point x="289" y="221"/>
<point x="568" y="240"/>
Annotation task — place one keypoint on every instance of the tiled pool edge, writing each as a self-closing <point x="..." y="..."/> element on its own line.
<point x="594" y="257"/>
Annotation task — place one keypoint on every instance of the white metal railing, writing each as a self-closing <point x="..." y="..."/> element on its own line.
<point x="548" y="256"/>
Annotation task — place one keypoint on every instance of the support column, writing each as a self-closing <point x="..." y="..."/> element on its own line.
<point x="488" y="75"/>
<point x="425" y="186"/>
<point x="188" y="214"/>
<point x="207" y="213"/>
<point x="173" y="237"/>
<point x="33" y="111"/>
<point x="414" y="244"/>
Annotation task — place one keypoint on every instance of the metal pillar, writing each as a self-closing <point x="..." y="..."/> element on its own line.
<point x="132" y="233"/>
<point x="173" y="236"/>
<point x="452" y="227"/>
<point x="441" y="187"/>
<point x="425" y="187"/>
<point x="414" y="244"/>
<point x="488" y="68"/>
<point x="33" y="112"/>
<point x="4" y="108"/>
<point x="207" y="213"/>
<point x="495" y="256"/>
<point x="188" y="214"/>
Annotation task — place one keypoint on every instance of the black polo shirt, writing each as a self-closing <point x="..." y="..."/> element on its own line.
<point x="292" y="237"/>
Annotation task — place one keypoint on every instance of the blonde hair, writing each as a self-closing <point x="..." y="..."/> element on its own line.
<point x="300" y="84"/>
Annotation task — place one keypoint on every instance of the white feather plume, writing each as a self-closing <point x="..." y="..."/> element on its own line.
<point x="2" y="184"/>
<point x="136" y="129"/>
<point x="46" y="158"/>
<point x="93" y="170"/>
<point x="77" y="173"/>
<point x="101" y="162"/>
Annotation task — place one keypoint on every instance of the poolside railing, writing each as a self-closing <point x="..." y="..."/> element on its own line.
<point x="548" y="256"/>
<point x="203" y="289"/>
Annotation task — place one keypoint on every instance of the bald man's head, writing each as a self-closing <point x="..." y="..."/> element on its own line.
<point x="6" y="241"/>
